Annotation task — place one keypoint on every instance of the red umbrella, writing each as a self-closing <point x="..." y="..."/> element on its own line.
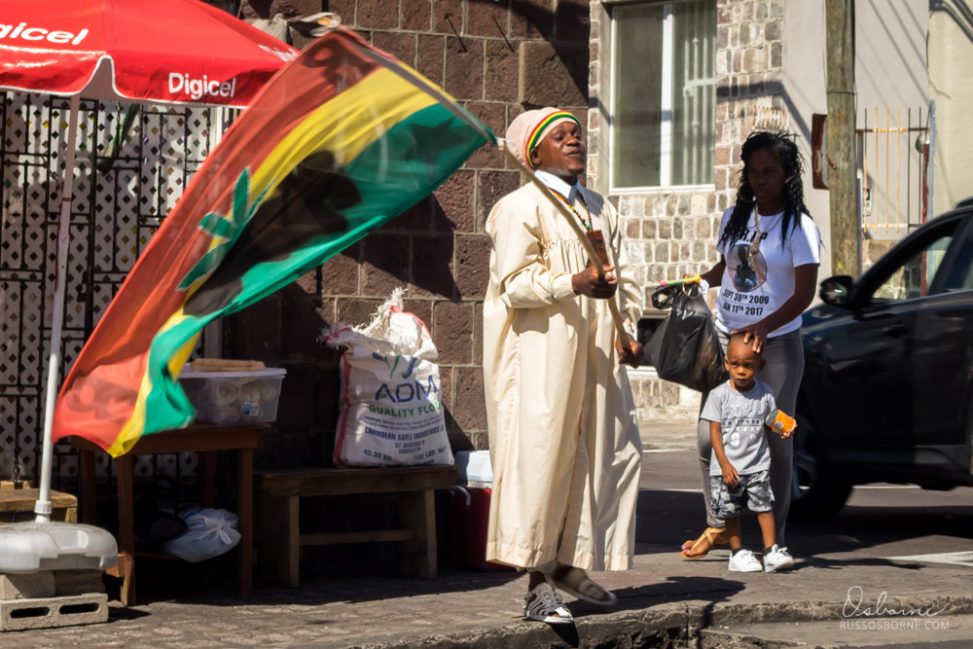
<point x="181" y="51"/>
<point x="168" y="51"/>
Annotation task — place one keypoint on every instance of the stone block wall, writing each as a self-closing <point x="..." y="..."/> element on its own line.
<point x="672" y="233"/>
<point x="497" y="58"/>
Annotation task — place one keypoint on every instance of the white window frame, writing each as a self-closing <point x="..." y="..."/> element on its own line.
<point x="665" y="131"/>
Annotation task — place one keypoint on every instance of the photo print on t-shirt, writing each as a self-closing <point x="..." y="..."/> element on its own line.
<point x="747" y="267"/>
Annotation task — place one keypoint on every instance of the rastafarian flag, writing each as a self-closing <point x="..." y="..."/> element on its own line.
<point x="336" y="144"/>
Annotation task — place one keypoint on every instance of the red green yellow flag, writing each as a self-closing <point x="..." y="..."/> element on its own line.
<point x="336" y="144"/>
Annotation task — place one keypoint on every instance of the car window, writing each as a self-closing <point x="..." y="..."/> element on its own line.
<point x="912" y="278"/>
<point x="960" y="276"/>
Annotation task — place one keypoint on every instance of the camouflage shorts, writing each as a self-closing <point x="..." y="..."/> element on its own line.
<point x="753" y="491"/>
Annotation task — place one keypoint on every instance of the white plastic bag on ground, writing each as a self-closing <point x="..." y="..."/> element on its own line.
<point x="391" y="407"/>
<point x="209" y="533"/>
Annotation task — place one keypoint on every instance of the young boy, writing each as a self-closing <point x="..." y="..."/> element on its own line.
<point x="740" y="411"/>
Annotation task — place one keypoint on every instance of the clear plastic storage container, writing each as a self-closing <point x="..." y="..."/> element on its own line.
<point x="234" y="397"/>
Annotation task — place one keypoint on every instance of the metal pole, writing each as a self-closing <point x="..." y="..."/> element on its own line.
<point x="43" y="506"/>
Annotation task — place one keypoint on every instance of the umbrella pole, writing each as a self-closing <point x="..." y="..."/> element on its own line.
<point x="43" y="506"/>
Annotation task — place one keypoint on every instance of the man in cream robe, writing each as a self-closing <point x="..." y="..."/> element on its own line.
<point x="564" y="441"/>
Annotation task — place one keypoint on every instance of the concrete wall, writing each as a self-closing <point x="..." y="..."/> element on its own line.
<point x="950" y="70"/>
<point x="804" y="92"/>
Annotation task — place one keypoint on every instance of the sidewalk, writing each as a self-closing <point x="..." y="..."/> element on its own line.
<point x="834" y="596"/>
<point x="662" y="598"/>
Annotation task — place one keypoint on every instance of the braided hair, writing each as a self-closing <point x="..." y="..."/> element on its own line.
<point x="790" y="157"/>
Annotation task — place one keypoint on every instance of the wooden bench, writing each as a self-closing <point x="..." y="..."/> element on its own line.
<point x="17" y="505"/>
<point x="280" y="492"/>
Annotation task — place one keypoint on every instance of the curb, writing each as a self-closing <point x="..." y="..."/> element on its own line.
<point x="667" y="625"/>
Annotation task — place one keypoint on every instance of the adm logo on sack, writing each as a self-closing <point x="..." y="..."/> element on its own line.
<point x="409" y="390"/>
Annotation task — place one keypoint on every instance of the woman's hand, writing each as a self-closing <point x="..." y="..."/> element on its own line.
<point x="755" y="334"/>
<point x="630" y="354"/>
<point x="804" y="282"/>
<point x="588" y="283"/>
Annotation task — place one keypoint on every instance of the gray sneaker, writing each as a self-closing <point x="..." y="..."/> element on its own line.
<point x="544" y="605"/>
<point x="777" y="558"/>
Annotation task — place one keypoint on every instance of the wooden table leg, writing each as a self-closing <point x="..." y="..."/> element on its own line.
<point x="418" y="510"/>
<point x="207" y="478"/>
<point x="125" y="480"/>
<point x="289" y="569"/>
<point x="89" y="488"/>
<point x="245" y="518"/>
<point x="207" y="499"/>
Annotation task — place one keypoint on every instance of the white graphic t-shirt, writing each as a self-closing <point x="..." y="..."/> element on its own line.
<point x="757" y="281"/>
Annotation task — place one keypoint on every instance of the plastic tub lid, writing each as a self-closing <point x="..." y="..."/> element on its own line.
<point x="474" y="466"/>
<point x="265" y="373"/>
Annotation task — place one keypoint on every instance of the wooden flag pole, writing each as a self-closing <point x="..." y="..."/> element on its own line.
<point x="592" y="253"/>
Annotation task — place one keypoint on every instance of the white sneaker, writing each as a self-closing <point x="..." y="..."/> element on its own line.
<point x="777" y="559"/>
<point x="744" y="561"/>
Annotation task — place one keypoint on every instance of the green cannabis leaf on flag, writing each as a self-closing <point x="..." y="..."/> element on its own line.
<point x="228" y="229"/>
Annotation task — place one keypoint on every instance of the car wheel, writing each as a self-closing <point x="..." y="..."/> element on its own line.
<point x="817" y="493"/>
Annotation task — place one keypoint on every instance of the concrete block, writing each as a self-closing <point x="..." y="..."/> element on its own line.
<point x="27" y="586"/>
<point x="43" y="613"/>
<point x="77" y="582"/>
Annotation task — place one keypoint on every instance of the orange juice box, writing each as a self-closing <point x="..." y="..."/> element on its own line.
<point x="782" y="423"/>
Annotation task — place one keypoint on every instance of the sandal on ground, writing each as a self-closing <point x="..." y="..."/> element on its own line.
<point x="575" y="582"/>
<point x="709" y="539"/>
<point x="544" y="605"/>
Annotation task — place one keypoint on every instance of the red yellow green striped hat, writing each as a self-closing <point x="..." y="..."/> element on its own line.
<point x="530" y="127"/>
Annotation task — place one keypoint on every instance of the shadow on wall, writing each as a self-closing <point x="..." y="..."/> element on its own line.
<point x="282" y="330"/>
<point x="414" y="248"/>
<point x="958" y="10"/>
<point x="568" y="24"/>
<point x="563" y="28"/>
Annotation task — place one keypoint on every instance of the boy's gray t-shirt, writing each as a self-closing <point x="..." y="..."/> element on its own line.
<point x="743" y="418"/>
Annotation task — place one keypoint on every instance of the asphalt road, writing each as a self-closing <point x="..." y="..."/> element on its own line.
<point x="882" y="526"/>
<point x="878" y="520"/>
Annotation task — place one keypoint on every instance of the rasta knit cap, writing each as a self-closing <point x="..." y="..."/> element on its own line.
<point x="530" y="127"/>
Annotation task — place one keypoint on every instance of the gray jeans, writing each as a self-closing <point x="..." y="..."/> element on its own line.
<point x="785" y="367"/>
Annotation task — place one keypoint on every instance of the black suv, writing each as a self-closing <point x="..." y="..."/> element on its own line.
<point x="887" y="394"/>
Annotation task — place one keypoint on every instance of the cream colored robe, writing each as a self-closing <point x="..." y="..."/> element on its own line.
<point x="564" y="441"/>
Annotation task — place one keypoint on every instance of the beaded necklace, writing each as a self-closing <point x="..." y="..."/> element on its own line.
<point x="758" y="233"/>
<point x="585" y="219"/>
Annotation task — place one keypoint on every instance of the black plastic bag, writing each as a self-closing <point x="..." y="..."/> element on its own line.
<point x="685" y="349"/>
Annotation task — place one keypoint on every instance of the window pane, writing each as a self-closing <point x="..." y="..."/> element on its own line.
<point x="693" y="92"/>
<point x="663" y="139"/>
<point x="637" y="95"/>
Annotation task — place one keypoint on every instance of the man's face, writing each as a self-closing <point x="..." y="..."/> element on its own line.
<point x="561" y="152"/>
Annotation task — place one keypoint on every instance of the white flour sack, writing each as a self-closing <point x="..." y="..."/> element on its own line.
<point x="391" y="407"/>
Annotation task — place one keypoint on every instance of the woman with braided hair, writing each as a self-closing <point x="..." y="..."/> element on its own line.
<point x="769" y="256"/>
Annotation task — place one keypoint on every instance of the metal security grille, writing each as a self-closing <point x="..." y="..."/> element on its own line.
<point x="123" y="190"/>
<point x="893" y="146"/>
